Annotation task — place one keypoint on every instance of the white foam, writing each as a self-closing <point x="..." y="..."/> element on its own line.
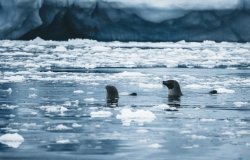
<point x="12" y="140"/>
<point x="139" y="116"/>
<point x="101" y="114"/>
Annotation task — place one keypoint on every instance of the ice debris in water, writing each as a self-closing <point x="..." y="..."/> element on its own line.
<point x="12" y="140"/>
<point x="59" y="127"/>
<point x="165" y="107"/>
<point x="240" y="104"/>
<point x="100" y="114"/>
<point x="63" y="141"/>
<point x="225" y="90"/>
<point x="60" y="49"/>
<point x="78" y="91"/>
<point x="139" y="116"/>
<point x="55" y="108"/>
<point x="198" y="137"/>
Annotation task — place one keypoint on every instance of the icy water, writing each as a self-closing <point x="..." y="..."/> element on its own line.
<point x="52" y="100"/>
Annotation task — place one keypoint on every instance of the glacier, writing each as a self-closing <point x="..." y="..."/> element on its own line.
<point x="120" y="20"/>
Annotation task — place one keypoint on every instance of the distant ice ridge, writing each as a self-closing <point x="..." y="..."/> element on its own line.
<point x="220" y="20"/>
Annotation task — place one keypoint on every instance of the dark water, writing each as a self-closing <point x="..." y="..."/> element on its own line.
<point x="58" y="111"/>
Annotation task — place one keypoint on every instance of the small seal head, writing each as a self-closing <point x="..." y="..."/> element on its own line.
<point x="112" y="96"/>
<point x="174" y="90"/>
<point x="213" y="92"/>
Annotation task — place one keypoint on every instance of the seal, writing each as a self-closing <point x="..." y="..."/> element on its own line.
<point x="112" y="96"/>
<point x="174" y="89"/>
<point x="213" y="92"/>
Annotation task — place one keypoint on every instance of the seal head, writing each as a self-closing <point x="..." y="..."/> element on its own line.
<point x="174" y="89"/>
<point x="112" y="96"/>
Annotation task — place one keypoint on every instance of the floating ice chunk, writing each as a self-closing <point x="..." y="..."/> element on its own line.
<point x="5" y="106"/>
<point x="140" y="116"/>
<point x="225" y="90"/>
<point x="142" y="131"/>
<point x="89" y="99"/>
<point x="60" y="127"/>
<point x="33" y="95"/>
<point x="192" y="146"/>
<point x="12" y="140"/>
<point x="55" y="108"/>
<point x="240" y="104"/>
<point x="78" y="92"/>
<point x="207" y="120"/>
<point x="101" y="114"/>
<point x="76" y="125"/>
<point x="243" y="132"/>
<point x="154" y="145"/>
<point x="63" y="141"/>
<point x="9" y="90"/>
<point x="199" y="137"/>
<point x="16" y="78"/>
<point x="60" y="49"/>
<point x="165" y="107"/>
<point x="228" y="133"/>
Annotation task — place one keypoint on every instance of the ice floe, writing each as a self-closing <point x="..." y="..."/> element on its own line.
<point x="139" y="116"/>
<point x="12" y="140"/>
<point x="101" y="114"/>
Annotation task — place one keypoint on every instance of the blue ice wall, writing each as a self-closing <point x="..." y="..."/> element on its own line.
<point x="108" y="20"/>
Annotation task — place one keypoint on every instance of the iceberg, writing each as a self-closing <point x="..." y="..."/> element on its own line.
<point x="131" y="20"/>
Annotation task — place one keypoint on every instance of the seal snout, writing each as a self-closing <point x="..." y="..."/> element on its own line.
<point x="112" y="96"/>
